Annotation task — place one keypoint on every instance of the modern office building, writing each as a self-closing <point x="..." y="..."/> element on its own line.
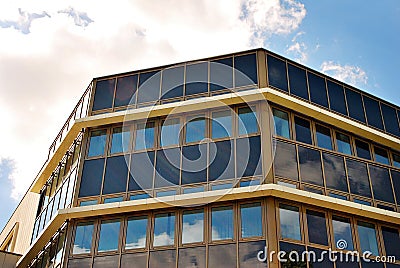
<point x="218" y="162"/>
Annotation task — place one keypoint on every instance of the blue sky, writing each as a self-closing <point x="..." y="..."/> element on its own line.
<point x="51" y="50"/>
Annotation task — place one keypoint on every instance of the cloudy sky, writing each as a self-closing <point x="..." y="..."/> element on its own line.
<point x="50" y="51"/>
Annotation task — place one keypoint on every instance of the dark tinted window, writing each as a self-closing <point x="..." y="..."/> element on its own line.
<point x="316" y="227"/>
<point x="281" y="123"/>
<point x="298" y="81"/>
<point x="126" y="89"/>
<point x="248" y="254"/>
<point x="105" y="261"/>
<point x="194" y="163"/>
<point x="391" y="240"/>
<point x="222" y="256"/>
<point x="167" y="167"/>
<point x="396" y="184"/>
<point x="172" y="82"/>
<point x="277" y="73"/>
<point x="116" y="175"/>
<point x="136" y="260"/>
<point x="92" y="176"/>
<point x="362" y="150"/>
<point x="381" y="184"/>
<point x="222" y="223"/>
<point x="104" y="94"/>
<point x="355" y="106"/>
<point x="316" y="262"/>
<point x="97" y="142"/>
<point x="317" y="90"/>
<point x="381" y="155"/>
<point x="285" y="161"/>
<point x="303" y="132"/>
<point x="248" y="161"/>
<point x="162" y="258"/>
<point x="288" y="248"/>
<point x="358" y="178"/>
<point x="221" y="74"/>
<point x="336" y="97"/>
<point x="109" y="235"/>
<point x="77" y="263"/>
<point x="390" y="119"/>
<point x="324" y="137"/>
<point x="342" y="231"/>
<point x="196" y="78"/>
<point x="396" y="160"/>
<point x="343" y="143"/>
<point x="373" y="112"/>
<point x="335" y="174"/>
<point x="251" y="220"/>
<point x="192" y="257"/>
<point x="245" y="70"/>
<point x="141" y="171"/>
<point x="310" y="166"/>
<point x="223" y="163"/>
<point x="149" y="86"/>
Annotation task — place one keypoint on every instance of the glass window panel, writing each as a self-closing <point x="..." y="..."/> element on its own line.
<point x="83" y="238"/>
<point x="105" y="261"/>
<point x="335" y="174"/>
<point x="136" y="232"/>
<point x="303" y="132"/>
<point x="343" y="143"/>
<point x="367" y="235"/>
<point x="313" y="190"/>
<point x="222" y="255"/>
<point x="362" y="149"/>
<point x="381" y="155"/>
<point x="248" y="254"/>
<point x="139" y="196"/>
<point x="310" y="166"/>
<point x="336" y="97"/>
<point x="196" y="78"/>
<point x="289" y="222"/>
<point x="192" y="226"/>
<point x="126" y="89"/>
<point x="109" y="235"/>
<point x="247" y="121"/>
<point x="163" y="258"/>
<point x="222" y="223"/>
<point x="149" y="86"/>
<point x="362" y="202"/>
<point x="221" y="186"/>
<point x="373" y="112"/>
<point x="355" y="106"/>
<point x="277" y="73"/>
<point x="285" y="161"/>
<point x="136" y="260"/>
<point x="170" y="130"/>
<point x="289" y="249"/>
<point x="317" y="89"/>
<point x="116" y="174"/>
<point x="222" y="162"/>
<point x="298" y="81"/>
<point x="358" y="178"/>
<point x="113" y="199"/>
<point x="251" y="220"/>
<point x="381" y="184"/>
<point x="195" y="129"/>
<point x="249" y="183"/>
<point x="191" y="190"/>
<point x="164" y="229"/>
<point x="141" y="171"/>
<point x="316" y="224"/>
<point x="166" y="193"/>
<point x="338" y="196"/>
<point x="281" y="123"/>
<point x="79" y="263"/>
<point x="172" y="82"/>
<point x="245" y="70"/>
<point x="396" y="184"/>
<point x="88" y="203"/>
<point x="324" y="137"/>
<point x="92" y="176"/>
<point x="248" y="161"/>
<point x="317" y="263"/>
<point x="390" y="119"/>
<point x="391" y="241"/>
<point x="167" y="167"/>
<point x="104" y="94"/>
<point x="144" y="136"/>
<point x="97" y="142"/>
<point x="221" y="74"/>
<point x="194" y="163"/>
<point x="396" y="160"/>
<point x="192" y="257"/>
<point x="371" y="264"/>
<point x="120" y="140"/>
<point x="342" y="231"/>
<point x="221" y="124"/>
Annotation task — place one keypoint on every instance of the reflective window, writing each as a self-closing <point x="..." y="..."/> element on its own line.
<point x="139" y="196"/>
<point x="396" y="184"/>
<point x="192" y="257"/>
<point x="390" y="120"/>
<point x="170" y="132"/>
<point x="120" y="140"/>
<point x="196" y="78"/>
<point x="126" y="89"/>
<point x="92" y="176"/>
<point x="323" y="137"/>
<point x="310" y="166"/>
<point x="88" y="203"/>
<point x="191" y="190"/>
<point x="303" y="132"/>
<point x="195" y="129"/>
<point x="316" y="227"/>
<point x="317" y="89"/>
<point x="362" y="149"/>
<point x="116" y="175"/>
<point x="97" y="142"/>
<point x="247" y="121"/>
<point x="248" y="162"/>
<point x="162" y="258"/>
<point x="381" y="184"/>
<point x="78" y="263"/>
<point x="248" y="254"/>
<point x="381" y="155"/>
<point x="221" y="124"/>
<point x="149" y="86"/>
<point x="221" y="186"/>
<point x="136" y="232"/>
<point x="338" y="196"/>
<point x="336" y="97"/>
<point x="342" y="233"/>
<point x="355" y="106"/>
<point x="373" y="112"/>
<point x="172" y="82"/>
<point x="104" y="94"/>
<point x="192" y="226"/>
<point x="144" y="136"/>
<point x="298" y="81"/>
<point x="221" y="74"/>
<point x="245" y="70"/>
<point x="105" y="261"/>
<point x="343" y="143"/>
<point x="285" y="161"/>
<point x="335" y="174"/>
<point x="166" y="193"/>
<point x="223" y="161"/>
<point x="367" y="235"/>
<point x="83" y="238"/>
<point x="281" y="123"/>
<point x="317" y="263"/>
<point x="391" y="240"/>
<point x="222" y="223"/>
<point x="277" y="73"/>
<point x="396" y="160"/>
<point x="194" y="163"/>
<point x="113" y="199"/>
<point x="167" y="167"/>
<point x="293" y="250"/>
<point x="215" y="253"/>
<point x="141" y="171"/>
<point x="289" y="222"/>
<point x="109" y="235"/>
<point x="164" y="229"/>
<point x="362" y="202"/>
<point x="251" y="220"/>
<point x="358" y="178"/>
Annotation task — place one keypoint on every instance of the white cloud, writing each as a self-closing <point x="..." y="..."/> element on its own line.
<point x="351" y="74"/>
<point x="24" y="21"/>
<point x="80" y="18"/>
<point x="298" y="49"/>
